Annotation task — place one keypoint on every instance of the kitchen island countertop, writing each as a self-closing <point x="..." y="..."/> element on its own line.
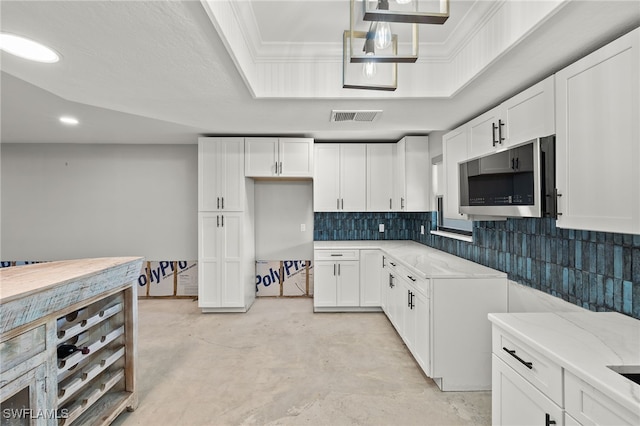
<point x="584" y="343"/>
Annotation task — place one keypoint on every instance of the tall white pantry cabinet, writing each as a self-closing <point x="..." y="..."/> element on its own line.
<point x="226" y="248"/>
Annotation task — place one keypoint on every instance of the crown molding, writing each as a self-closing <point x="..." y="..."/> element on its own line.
<point x="314" y="70"/>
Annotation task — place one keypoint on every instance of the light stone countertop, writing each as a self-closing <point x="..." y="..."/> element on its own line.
<point x="584" y="343"/>
<point x="421" y="259"/>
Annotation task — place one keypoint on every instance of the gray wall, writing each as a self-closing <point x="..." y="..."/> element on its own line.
<point x="62" y="201"/>
<point x="280" y="208"/>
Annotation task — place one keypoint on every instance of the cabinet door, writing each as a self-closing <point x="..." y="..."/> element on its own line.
<point x="514" y="401"/>
<point x="348" y="284"/>
<point x="417" y="174"/>
<point x="208" y="260"/>
<point x="232" y="285"/>
<point x="530" y="114"/>
<point x="295" y="157"/>
<point x="326" y="181"/>
<point x="353" y="177"/>
<point x="408" y="328"/>
<point x="591" y="407"/>
<point x="397" y="302"/>
<point x="231" y="174"/>
<point x="370" y="276"/>
<point x="27" y="392"/>
<point x="384" y="287"/>
<point x="422" y="346"/>
<point x="324" y="284"/>
<point x="381" y="170"/>
<point x="261" y="157"/>
<point x="208" y="174"/>
<point x="484" y="134"/>
<point x="400" y="176"/>
<point x="454" y="150"/>
<point x="597" y="149"/>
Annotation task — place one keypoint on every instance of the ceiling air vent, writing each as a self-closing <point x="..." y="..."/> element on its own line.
<point x="359" y="115"/>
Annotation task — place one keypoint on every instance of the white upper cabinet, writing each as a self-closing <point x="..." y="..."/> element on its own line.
<point x="296" y="157"/>
<point x="353" y="177"/>
<point x="598" y="139"/>
<point x="262" y="157"/>
<point x="221" y="184"/>
<point x="454" y="151"/>
<point x="412" y="181"/>
<point x="326" y="181"/>
<point x="483" y="133"/>
<point x="279" y="157"/>
<point x="340" y="178"/>
<point x="530" y="114"/>
<point x="380" y="176"/>
<point x="527" y="115"/>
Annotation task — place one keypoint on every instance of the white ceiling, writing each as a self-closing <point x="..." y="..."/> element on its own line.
<point x="160" y="71"/>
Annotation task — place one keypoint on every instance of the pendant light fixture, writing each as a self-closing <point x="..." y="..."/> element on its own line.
<point x="406" y="11"/>
<point x="387" y="48"/>
<point x="367" y="74"/>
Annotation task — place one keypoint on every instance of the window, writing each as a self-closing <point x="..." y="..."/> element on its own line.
<point x="457" y="226"/>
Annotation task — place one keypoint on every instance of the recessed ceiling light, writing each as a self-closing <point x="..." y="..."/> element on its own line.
<point x="71" y="121"/>
<point x="27" y="49"/>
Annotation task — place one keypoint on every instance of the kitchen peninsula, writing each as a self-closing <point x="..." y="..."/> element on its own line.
<point x="437" y="302"/>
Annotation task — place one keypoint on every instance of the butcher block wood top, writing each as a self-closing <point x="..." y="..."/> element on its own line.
<point x="30" y="292"/>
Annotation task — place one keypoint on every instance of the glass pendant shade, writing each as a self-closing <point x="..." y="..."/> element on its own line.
<point x="383" y="35"/>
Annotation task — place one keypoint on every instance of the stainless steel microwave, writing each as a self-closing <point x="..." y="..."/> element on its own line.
<point x="517" y="182"/>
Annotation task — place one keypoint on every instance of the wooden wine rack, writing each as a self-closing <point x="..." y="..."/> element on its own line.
<point x="93" y="306"/>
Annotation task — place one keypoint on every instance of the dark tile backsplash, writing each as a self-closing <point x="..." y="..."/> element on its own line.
<point x="599" y="271"/>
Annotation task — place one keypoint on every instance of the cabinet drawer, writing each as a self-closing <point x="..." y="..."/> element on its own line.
<point x="399" y="270"/>
<point x="536" y="368"/>
<point x="21" y="348"/>
<point x="337" y="254"/>
<point x="589" y="406"/>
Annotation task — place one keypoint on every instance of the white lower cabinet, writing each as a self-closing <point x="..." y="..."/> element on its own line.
<point x="348" y="280"/>
<point x="336" y="279"/>
<point x="336" y="284"/>
<point x="224" y="284"/>
<point x="370" y="276"/>
<point x="415" y="322"/>
<point x="443" y="323"/>
<point x="422" y="346"/>
<point x="515" y="401"/>
<point x="528" y="387"/>
<point x="588" y="406"/>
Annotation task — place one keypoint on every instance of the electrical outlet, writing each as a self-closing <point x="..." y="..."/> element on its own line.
<point x="303" y="227"/>
<point x="381" y="227"/>
<point x="421" y="229"/>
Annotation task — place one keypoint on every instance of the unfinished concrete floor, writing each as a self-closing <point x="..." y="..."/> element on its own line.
<point x="281" y="364"/>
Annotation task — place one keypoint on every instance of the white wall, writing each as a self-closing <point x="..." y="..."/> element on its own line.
<point x="280" y="208"/>
<point x="62" y="201"/>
